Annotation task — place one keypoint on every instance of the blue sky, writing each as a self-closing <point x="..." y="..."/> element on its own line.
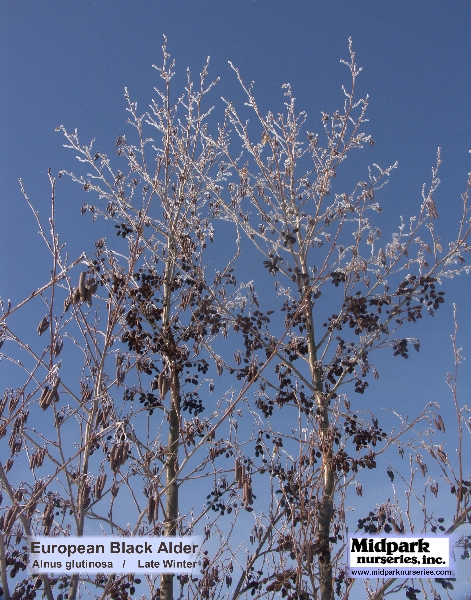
<point x="66" y="63"/>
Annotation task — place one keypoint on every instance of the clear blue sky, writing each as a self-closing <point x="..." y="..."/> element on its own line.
<point x="68" y="62"/>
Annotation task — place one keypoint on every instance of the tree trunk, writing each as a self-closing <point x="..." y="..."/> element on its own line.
<point x="171" y="468"/>
<point x="326" y="508"/>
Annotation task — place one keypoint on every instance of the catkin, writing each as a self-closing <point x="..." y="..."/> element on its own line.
<point x="240" y="475"/>
<point x="89" y="296"/>
<point x="10" y="517"/>
<point x="85" y="495"/>
<point x="49" y="395"/>
<point x="37" y="458"/>
<point x="43" y="397"/>
<point x="58" y="346"/>
<point x="163" y="384"/>
<point x="93" y="285"/>
<point x="151" y="508"/>
<point x="75" y="298"/>
<point x="43" y="325"/>
<point x="81" y="287"/>
<point x="113" y="465"/>
<point x="247" y="493"/>
<point x="48" y="518"/>
<point x="99" y="485"/>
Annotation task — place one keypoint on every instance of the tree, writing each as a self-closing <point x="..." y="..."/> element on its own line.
<point x="147" y="349"/>
<point x="313" y="233"/>
<point x="184" y="394"/>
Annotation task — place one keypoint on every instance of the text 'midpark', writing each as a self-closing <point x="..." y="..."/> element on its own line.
<point x="407" y="556"/>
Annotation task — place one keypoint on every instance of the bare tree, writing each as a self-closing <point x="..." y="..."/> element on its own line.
<point x="142" y="316"/>
<point x="312" y="233"/>
<point x="171" y="402"/>
<point x="441" y="467"/>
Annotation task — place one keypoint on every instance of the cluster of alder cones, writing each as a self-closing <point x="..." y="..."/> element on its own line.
<point x="37" y="458"/>
<point x="118" y="455"/>
<point x="49" y="395"/>
<point x="83" y="293"/>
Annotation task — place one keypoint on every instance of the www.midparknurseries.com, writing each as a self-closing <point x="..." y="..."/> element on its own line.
<point x="114" y="554"/>
<point x="420" y="557"/>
